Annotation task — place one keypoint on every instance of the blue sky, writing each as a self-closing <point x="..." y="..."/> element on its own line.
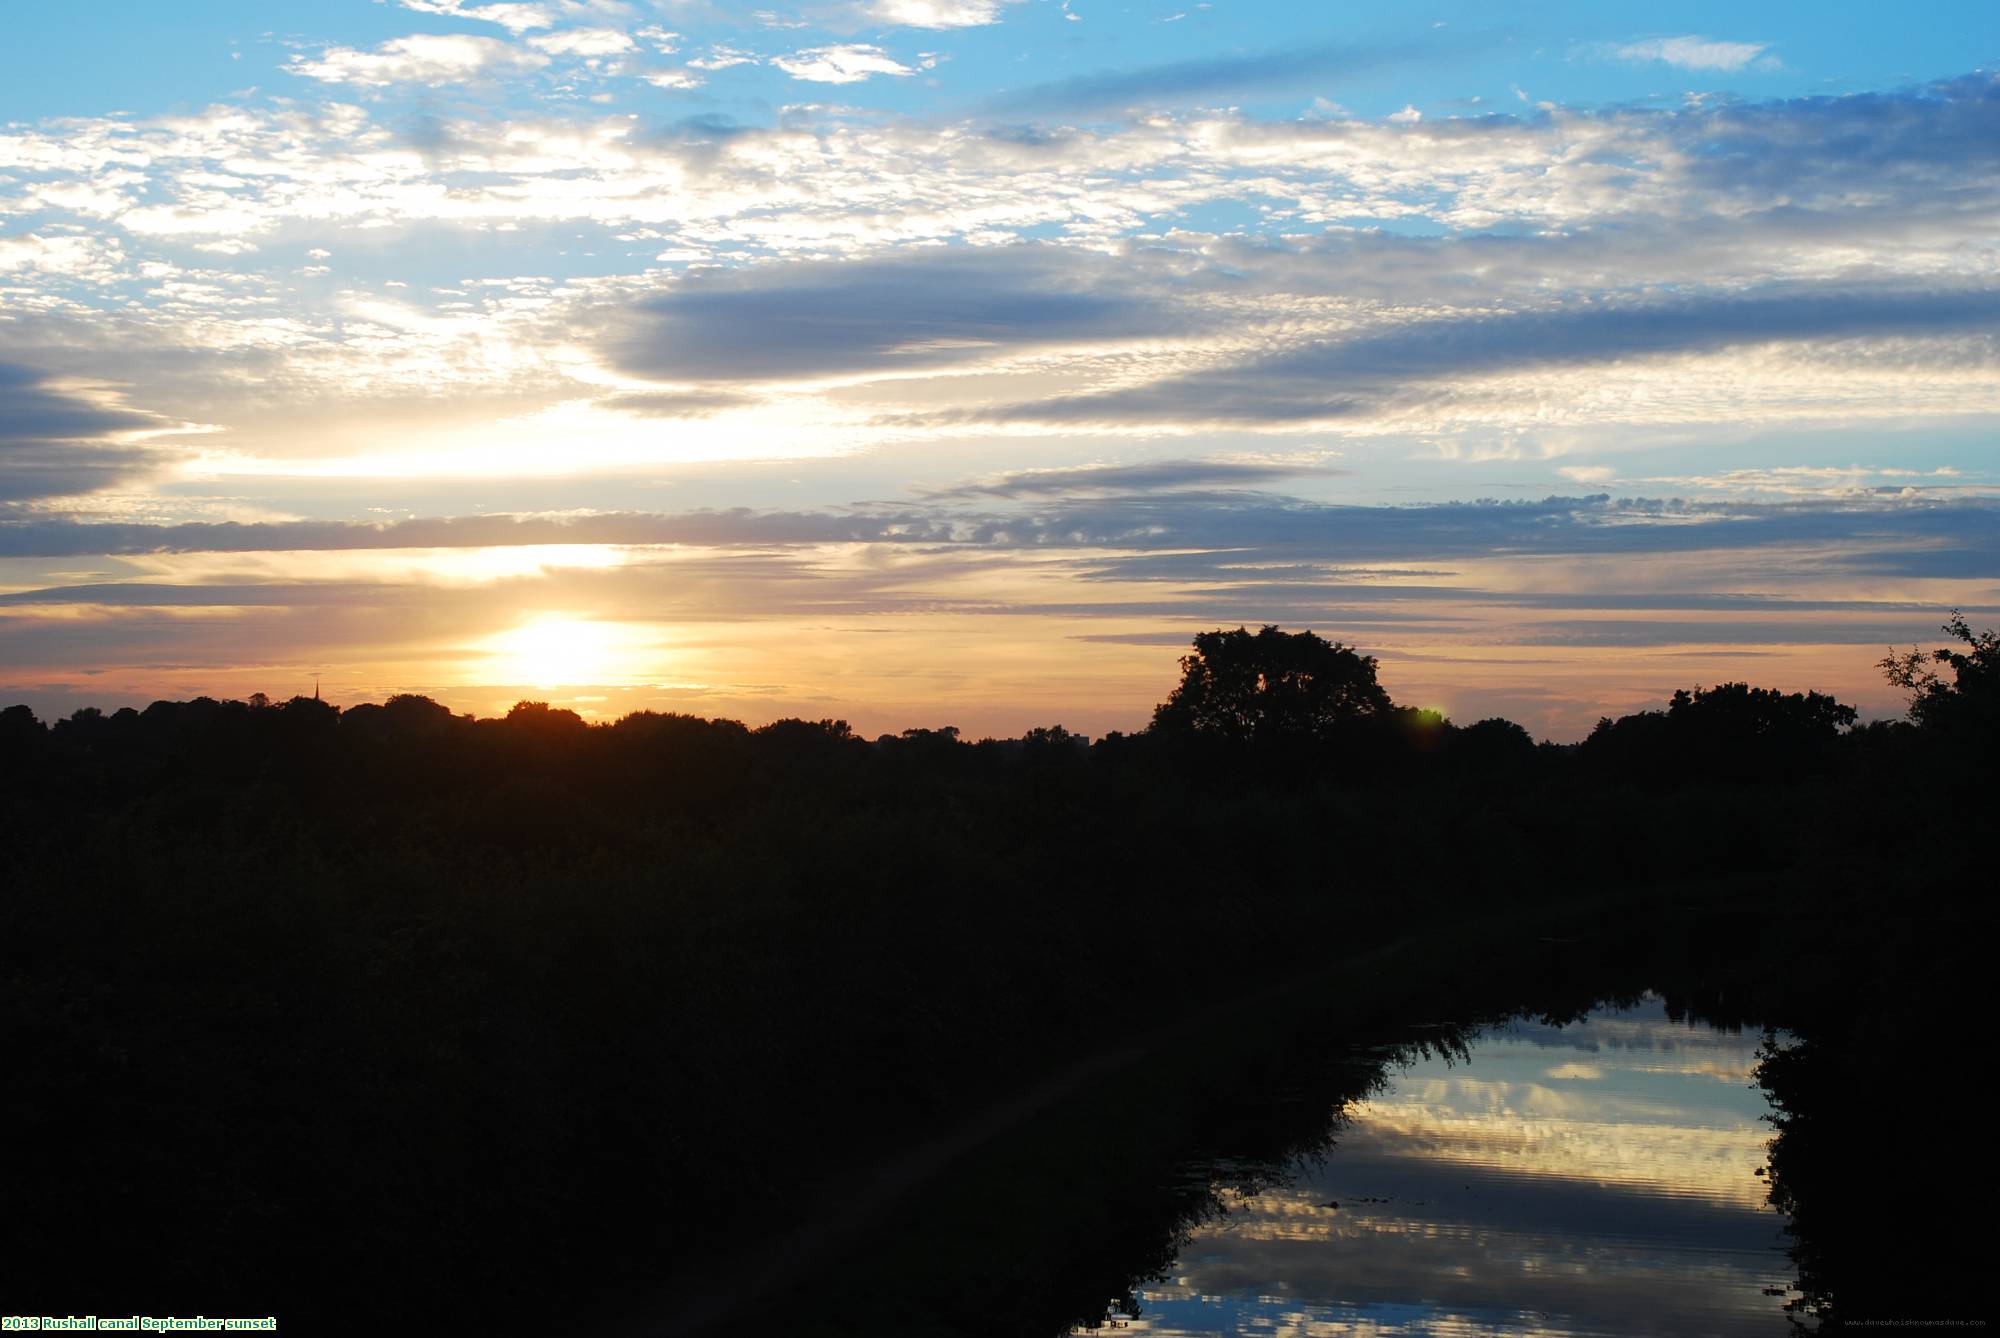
<point x="951" y="361"/>
<point x="148" y="59"/>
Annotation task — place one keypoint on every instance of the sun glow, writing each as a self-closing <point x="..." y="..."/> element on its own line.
<point x="569" y="652"/>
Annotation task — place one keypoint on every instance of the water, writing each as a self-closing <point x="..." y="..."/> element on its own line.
<point x="1603" y="1177"/>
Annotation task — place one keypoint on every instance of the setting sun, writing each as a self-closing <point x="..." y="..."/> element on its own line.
<point x="566" y="652"/>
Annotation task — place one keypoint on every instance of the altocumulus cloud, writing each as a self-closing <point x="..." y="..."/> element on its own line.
<point x="420" y="58"/>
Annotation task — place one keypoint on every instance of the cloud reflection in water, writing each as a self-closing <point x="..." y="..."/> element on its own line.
<point x="1526" y="1191"/>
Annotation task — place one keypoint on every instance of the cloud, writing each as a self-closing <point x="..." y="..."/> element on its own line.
<point x="56" y="444"/>
<point x="933" y="13"/>
<point x="921" y="309"/>
<point x="64" y="538"/>
<point x="1191" y="536"/>
<point x="1894" y="181"/>
<point x="675" y="404"/>
<point x="1112" y="480"/>
<point x="421" y="58"/>
<point x="584" y="42"/>
<point x="1181" y="81"/>
<point x="91" y="258"/>
<point x="1693" y="53"/>
<point x="1576" y="1071"/>
<point x="515" y="18"/>
<point x="846" y="64"/>
<point x="1326" y="379"/>
<point x="721" y="58"/>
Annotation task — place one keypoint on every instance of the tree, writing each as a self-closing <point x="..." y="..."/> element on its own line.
<point x="1053" y="739"/>
<point x="542" y="719"/>
<point x="1737" y="712"/>
<point x="1971" y="701"/>
<point x="22" y="738"/>
<point x="1493" y="744"/>
<point x="1270" y="685"/>
<point x="1731" y="731"/>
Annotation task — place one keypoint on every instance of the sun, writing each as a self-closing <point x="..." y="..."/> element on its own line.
<point x="564" y="652"/>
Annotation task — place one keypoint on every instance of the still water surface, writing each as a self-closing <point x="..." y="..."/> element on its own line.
<point x="1597" y="1178"/>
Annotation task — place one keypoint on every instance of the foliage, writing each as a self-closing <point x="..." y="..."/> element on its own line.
<point x="1970" y="701"/>
<point x="1270" y="685"/>
<point x="1737" y="711"/>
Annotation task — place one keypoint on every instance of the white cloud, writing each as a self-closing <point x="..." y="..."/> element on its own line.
<point x="674" y="79"/>
<point x="1576" y="1071"/>
<point x="933" y="13"/>
<point x="721" y="58"/>
<point x="78" y="257"/>
<point x="515" y="18"/>
<point x="584" y="42"/>
<point x="845" y="185"/>
<point x="420" y="58"/>
<point x="1693" y="53"/>
<point x="848" y="64"/>
<point x="1408" y="116"/>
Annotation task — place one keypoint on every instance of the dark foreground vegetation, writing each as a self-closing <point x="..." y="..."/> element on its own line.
<point x="340" y="1014"/>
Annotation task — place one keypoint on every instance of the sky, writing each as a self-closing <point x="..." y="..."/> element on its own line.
<point x="924" y="362"/>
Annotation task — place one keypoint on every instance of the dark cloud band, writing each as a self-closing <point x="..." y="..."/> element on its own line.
<point x="54" y="444"/>
<point x="1957" y="537"/>
<point x="1326" y="379"/>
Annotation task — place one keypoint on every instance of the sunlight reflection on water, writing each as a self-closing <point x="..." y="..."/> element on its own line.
<point x="1598" y="1178"/>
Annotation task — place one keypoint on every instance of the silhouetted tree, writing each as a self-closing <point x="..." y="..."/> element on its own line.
<point x="793" y="740"/>
<point x="1729" y="732"/>
<point x="1493" y="745"/>
<point x="1737" y="712"/>
<point x="22" y="738"/>
<point x="1270" y="685"/>
<point x="543" y="719"/>
<point x="18" y="722"/>
<point x="1971" y="700"/>
<point x="944" y="736"/>
<point x="1052" y="738"/>
<point x="807" y="733"/>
